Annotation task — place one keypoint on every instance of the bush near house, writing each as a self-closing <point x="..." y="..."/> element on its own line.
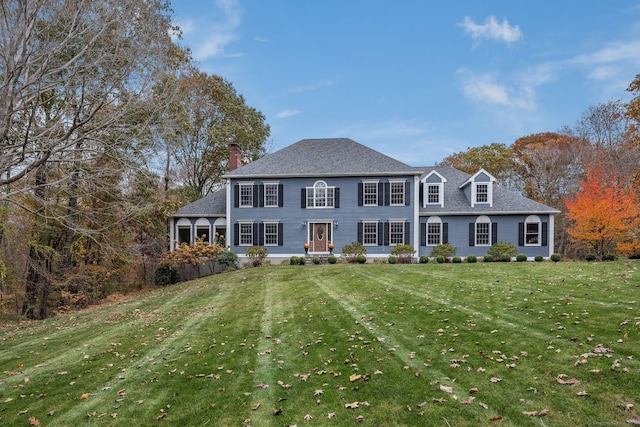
<point x="228" y="259"/>
<point x="424" y="259"/>
<point x="352" y="251"/>
<point x="404" y="253"/>
<point x="256" y="255"/>
<point x="332" y="259"/>
<point x="471" y="259"/>
<point x="501" y="250"/>
<point x="446" y="250"/>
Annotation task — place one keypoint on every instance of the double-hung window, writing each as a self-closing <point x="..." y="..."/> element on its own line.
<point x="370" y="193"/>
<point x="246" y="195"/>
<point x="483" y="233"/>
<point x="271" y="233"/>
<point x="396" y="232"/>
<point x="370" y="232"/>
<point x="396" y="189"/>
<point x="434" y="233"/>
<point x="482" y="193"/>
<point x="271" y="194"/>
<point x="246" y="233"/>
<point x="433" y="194"/>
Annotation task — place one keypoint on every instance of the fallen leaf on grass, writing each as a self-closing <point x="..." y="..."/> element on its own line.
<point x="446" y="389"/>
<point x="256" y="406"/>
<point x="318" y="392"/>
<point x="495" y="379"/>
<point x="582" y="393"/>
<point x="353" y="405"/>
<point x="496" y="419"/>
<point x="469" y="401"/>
<point x="308" y="417"/>
<point x="634" y="422"/>
<point x="355" y="377"/>
<point x="276" y="412"/>
<point x="483" y="405"/>
<point x="34" y="421"/>
<point x="85" y="395"/>
<point x="530" y="414"/>
<point x="571" y="381"/>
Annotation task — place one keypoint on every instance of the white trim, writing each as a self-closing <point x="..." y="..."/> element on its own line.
<point x="533" y="219"/>
<point x="364" y="193"/>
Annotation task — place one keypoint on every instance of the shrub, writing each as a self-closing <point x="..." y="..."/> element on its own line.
<point x="487" y="258"/>
<point x="316" y="260"/>
<point x="392" y="259"/>
<point x="256" y="255"/>
<point x="293" y="260"/>
<point x="538" y="258"/>
<point x="361" y="259"/>
<point x="302" y="260"/>
<point x="404" y="253"/>
<point x="456" y="260"/>
<point x="609" y="257"/>
<point x="505" y="258"/>
<point x="500" y="249"/>
<point x="555" y="257"/>
<point x="472" y="259"/>
<point x="332" y="259"/>
<point x="521" y="258"/>
<point x="228" y="259"/>
<point x="165" y="275"/>
<point x="352" y="250"/>
<point x="446" y="250"/>
<point x="424" y="259"/>
<point x="440" y="259"/>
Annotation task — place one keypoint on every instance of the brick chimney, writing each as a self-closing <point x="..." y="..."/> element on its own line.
<point x="235" y="157"/>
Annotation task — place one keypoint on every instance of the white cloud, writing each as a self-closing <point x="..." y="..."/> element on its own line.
<point x="491" y="29"/>
<point x="288" y="113"/>
<point x="485" y="89"/>
<point x="209" y="38"/>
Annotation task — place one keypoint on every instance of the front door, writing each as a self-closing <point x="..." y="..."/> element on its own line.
<point x="320" y="237"/>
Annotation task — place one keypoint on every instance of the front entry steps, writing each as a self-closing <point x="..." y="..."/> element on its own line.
<point x="323" y="258"/>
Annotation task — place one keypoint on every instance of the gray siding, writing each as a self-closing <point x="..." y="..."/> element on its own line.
<point x="508" y="231"/>
<point x="345" y="218"/>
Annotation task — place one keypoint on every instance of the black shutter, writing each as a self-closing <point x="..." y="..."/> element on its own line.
<point x="423" y="234"/>
<point x="494" y="233"/>
<point x="360" y="194"/>
<point x="445" y="233"/>
<point x="385" y="233"/>
<point x="545" y="232"/>
<point x="407" y="232"/>
<point x="260" y="195"/>
<point x="472" y="234"/>
<point x="303" y="198"/>
<point x="236" y="196"/>
<point x="521" y="234"/>
<point x="256" y="234"/>
<point x="421" y="195"/>
<point x="360" y="232"/>
<point x="256" y="195"/>
<point x="280" y="234"/>
<point x="407" y="193"/>
<point x="336" y="197"/>
<point x="280" y="195"/>
<point x="236" y="234"/>
<point x="384" y="191"/>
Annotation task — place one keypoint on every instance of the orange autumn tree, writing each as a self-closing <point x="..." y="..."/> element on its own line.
<point x="604" y="215"/>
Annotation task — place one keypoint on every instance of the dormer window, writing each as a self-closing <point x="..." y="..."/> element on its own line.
<point x="479" y="188"/>
<point x="433" y="189"/>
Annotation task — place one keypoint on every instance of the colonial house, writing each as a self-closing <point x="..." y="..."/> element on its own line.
<point x="326" y="193"/>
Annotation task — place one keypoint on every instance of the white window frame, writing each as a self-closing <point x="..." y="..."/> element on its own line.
<point x="245" y="195"/>
<point x="396" y="233"/>
<point x="203" y="223"/>
<point x="436" y="223"/>
<point x="397" y="195"/>
<point x="533" y="220"/>
<point x="321" y="196"/>
<point x="245" y="233"/>
<point x="271" y="233"/>
<point x="485" y="223"/>
<point x="370" y="193"/>
<point x="370" y="233"/>
<point x="477" y="194"/>
<point x="438" y="193"/>
<point x="183" y="224"/>
<point x="271" y="199"/>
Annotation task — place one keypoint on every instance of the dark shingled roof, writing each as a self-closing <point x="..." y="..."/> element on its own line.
<point x="323" y="157"/>
<point x="215" y="204"/>
<point x="455" y="202"/>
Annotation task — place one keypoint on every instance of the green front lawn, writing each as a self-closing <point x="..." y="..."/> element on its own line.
<point x="553" y="344"/>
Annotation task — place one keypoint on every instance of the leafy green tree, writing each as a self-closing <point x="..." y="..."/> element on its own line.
<point x="495" y="158"/>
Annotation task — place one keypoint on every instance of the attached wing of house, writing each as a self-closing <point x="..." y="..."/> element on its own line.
<point x="320" y="194"/>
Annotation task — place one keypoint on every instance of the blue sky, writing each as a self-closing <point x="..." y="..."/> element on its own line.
<point x="416" y="80"/>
